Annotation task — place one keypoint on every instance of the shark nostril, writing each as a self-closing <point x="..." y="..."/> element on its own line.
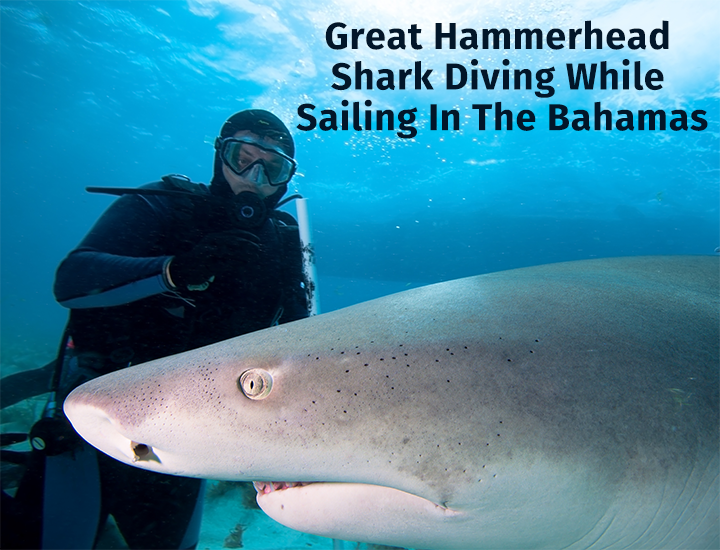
<point x="143" y="452"/>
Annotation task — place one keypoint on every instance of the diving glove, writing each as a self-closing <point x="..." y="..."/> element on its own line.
<point x="215" y="254"/>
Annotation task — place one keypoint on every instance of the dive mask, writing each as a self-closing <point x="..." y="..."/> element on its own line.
<point x="256" y="161"/>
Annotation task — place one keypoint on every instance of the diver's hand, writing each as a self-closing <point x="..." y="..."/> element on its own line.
<point x="215" y="253"/>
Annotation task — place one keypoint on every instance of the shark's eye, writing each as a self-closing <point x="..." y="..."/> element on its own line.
<point x="255" y="383"/>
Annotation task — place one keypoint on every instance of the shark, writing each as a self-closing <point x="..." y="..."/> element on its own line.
<point x="570" y="405"/>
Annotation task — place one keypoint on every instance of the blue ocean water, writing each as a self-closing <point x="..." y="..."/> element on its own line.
<point x="120" y="93"/>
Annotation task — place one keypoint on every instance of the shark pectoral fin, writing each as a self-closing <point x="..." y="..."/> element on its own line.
<point x="344" y="510"/>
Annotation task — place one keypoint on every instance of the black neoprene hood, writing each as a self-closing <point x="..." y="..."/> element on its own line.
<point x="263" y="124"/>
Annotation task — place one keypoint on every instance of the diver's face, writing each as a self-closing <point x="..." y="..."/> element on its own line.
<point x="239" y="184"/>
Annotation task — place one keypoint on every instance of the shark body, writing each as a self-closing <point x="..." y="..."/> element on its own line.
<point x="570" y="405"/>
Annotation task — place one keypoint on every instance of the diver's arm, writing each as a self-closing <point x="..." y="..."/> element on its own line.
<point x="117" y="262"/>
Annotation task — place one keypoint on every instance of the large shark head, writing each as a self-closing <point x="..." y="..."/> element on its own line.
<point x="558" y="406"/>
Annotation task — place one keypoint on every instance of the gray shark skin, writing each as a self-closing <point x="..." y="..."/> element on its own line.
<point x="572" y="405"/>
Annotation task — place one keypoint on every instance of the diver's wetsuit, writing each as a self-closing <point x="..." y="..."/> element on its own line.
<point x="123" y="308"/>
<point x="124" y="312"/>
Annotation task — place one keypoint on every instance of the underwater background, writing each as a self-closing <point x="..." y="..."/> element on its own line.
<point x="120" y="93"/>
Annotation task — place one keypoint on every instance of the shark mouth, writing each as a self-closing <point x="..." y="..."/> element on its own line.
<point x="265" y="487"/>
<point x="301" y="504"/>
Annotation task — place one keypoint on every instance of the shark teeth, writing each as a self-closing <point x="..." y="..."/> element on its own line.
<point x="265" y="487"/>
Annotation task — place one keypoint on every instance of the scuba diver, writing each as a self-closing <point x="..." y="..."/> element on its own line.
<point x="170" y="266"/>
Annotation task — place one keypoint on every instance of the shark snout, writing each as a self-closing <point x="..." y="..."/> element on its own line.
<point x="94" y="418"/>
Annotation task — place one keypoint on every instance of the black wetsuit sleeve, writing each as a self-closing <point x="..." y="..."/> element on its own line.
<point x="119" y="261"/>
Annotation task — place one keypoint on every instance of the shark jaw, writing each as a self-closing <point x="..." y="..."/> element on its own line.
<point x="344" y="511"/>
<point x="265" y="488"/>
